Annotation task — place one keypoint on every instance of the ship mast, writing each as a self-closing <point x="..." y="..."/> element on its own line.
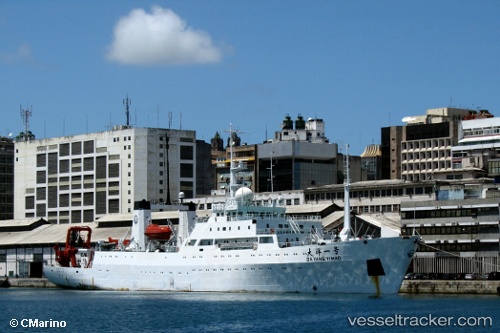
<point x="346" y="231"/>
<point x="232" y="168"/>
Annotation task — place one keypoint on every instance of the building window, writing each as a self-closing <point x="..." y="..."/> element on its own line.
<point x="187" y="153"/>
<point x="187" y="170"/>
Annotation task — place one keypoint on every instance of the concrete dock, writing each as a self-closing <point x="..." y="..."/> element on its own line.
<point x="28" y="283"/>
<point x="478" y="287"/>
<point x="484" y="287"/>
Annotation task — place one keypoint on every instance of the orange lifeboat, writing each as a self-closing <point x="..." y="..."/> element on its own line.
<point x="158" y="232"/>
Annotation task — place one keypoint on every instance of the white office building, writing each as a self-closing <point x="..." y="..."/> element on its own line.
<point x="80" y="178"/>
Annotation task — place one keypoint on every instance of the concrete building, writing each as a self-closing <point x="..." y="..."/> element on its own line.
<point x="459" y="228"/>
<point x="457" y="219"/>
<point x="371" y="162"/>
<point x="6" y="178"/>
<point x="299" y="156"/>
<point x="245" y="157"/>
<point x="423" y="147"/>
<point x="478" y="147"/>
<point x="80" y="178"/>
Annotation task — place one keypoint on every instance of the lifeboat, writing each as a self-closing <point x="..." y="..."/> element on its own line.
<point x="116" y="241"/>
<point x="158" y="232"/>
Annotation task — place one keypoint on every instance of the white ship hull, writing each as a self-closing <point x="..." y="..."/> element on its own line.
<point x="338" y="267"/>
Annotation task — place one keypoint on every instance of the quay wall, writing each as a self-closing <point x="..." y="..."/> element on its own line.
<point x="480" y="287"/>
<point x="29" y="283"/>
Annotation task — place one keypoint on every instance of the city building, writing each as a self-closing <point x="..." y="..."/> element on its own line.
<point x="457" y="219"/>
<point x="80" y="178"/>
<point x="298" y="157"/>
<point x="6" y="178"/>
<point x="371" y="162"/>
<point x="420" y="149"/>
<point x="459" y="228"/>
<point x="478" y="148"/>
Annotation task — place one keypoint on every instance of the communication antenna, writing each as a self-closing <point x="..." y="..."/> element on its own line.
<point x="25" y="116"/>
<point x="169" y="120"/>
<point x="127" y="101"/>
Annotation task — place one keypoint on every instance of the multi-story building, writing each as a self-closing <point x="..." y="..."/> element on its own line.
<point x="478" y="146"/>
<point x="83" y="177"/>
<point x="423" y="147"/>
<point x="459" y="228"/>
<point x="370" y="162"/>
<point x="244" y="157"/>
<point x="298" y="157"/>
<point x="6" y="178"/>
<point x="457" y="219"/>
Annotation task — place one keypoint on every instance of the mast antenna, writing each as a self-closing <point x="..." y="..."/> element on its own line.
<point x="25" y="116"/>
<point x="127" y="101"/>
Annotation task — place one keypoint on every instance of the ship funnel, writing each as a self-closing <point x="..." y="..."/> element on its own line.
<point x="141" y="219"/>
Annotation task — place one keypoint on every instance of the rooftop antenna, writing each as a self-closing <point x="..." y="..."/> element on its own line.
<point x="169" y="120"/>
<point x="25" y="116"/>
<point x="157" y="116"/>
<point x="127" y="101"/>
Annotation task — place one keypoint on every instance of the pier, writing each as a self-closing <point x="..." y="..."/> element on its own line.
<point x="479" y="287"/>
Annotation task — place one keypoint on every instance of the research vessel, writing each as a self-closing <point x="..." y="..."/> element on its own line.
<point x="241" y="247"/>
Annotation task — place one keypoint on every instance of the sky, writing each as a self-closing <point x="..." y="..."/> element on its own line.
<point x="203" y="65"/>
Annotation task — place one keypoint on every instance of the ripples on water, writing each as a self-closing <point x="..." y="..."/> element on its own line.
<point x="103" y="311"/>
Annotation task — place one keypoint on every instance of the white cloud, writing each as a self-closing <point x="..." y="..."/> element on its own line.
<point x="160" y="37"/>
<point x="22" y="55"/>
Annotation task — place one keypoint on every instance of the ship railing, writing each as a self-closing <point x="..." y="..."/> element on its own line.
<point x="294" y="243"/>
<point x="308" y="218"/>
<point x="238" y="246"/>
<point x="171" y="248"/>
<point x="278" y="231"/>
<point x="202" y="219"/>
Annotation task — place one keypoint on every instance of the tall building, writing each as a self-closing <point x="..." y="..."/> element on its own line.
<point x="298" y="157"/>
<point x="423" y="147"/>
<point x="6" y="178"/>
<point x="80" y="178"/>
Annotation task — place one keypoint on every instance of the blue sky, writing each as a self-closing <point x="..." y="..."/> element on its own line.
<point x="358" y="65"/>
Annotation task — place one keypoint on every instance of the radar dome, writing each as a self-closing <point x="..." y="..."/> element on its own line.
<point x="244" y="194"/>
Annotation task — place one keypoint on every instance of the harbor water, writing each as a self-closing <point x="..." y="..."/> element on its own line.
<point x="58" y="310"/>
